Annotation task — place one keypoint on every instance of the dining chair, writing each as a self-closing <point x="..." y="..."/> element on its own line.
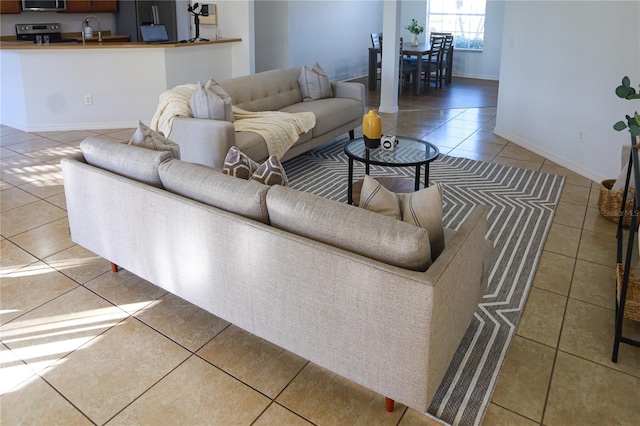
<point x="447" y="56"/>
<point x="408" y="69"/>
<point x="376" y="43"/>
<point x="432" y="62"/>
<point x="376" y="40"/>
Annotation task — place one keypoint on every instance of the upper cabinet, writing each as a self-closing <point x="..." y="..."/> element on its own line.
<point x="10" y="6"/>
<point x="91" y="6"/>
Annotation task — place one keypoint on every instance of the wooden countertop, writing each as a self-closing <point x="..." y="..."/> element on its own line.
<point x="28" y="45"/>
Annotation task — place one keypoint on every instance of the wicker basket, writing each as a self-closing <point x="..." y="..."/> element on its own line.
<point x="610" y="202"/>
<point x="632" y="303"/>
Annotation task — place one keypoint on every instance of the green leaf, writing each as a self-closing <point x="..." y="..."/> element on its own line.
<point x="620" y="125"/>
<point x="634" y="130"/>
<point x="621" y="92"/>
<point x="626" y="82"/>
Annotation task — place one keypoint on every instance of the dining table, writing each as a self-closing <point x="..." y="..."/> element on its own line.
<point x="407" y="50"/>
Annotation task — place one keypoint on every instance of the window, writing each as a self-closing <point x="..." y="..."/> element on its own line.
<point x="463" y="18"/>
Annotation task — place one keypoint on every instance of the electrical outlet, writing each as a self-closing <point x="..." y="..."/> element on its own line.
<point x="88" y="100"/>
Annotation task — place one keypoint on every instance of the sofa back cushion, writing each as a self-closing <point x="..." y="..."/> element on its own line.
<point x="210" y="186"/>
<point x="131" y="161"/>
<point x="265" y="91"/>
<point x="350" y="228"/>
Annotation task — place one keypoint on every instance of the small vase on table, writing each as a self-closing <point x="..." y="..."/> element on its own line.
<point x="414" y="39"/>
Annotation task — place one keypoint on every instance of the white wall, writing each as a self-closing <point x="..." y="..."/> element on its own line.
<point x="334" y="33"/>
<point x="272" y="35"/>
<point x="558" y="80"/>
<point x="301" y="32"/>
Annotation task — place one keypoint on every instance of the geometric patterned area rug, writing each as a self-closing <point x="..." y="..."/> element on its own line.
<point x="521" y="204"/>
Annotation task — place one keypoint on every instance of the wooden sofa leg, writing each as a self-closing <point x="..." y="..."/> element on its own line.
<point x="389" y="402"/>
<point x="352" y="134"/>
<point x="114" y="267"/>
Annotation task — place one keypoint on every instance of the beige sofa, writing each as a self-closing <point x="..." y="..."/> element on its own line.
<point x="336" y="284"/>
<point x="206" y="141"/>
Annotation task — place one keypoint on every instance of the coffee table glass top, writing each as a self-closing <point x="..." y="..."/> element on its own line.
<point x="409" y="152"/>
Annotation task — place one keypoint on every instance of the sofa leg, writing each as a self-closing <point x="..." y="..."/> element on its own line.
<point x="389" y="404"/>
<point x="114" y="267"/>
<point x="352" y="134"/>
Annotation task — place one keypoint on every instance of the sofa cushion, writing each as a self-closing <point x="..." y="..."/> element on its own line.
<point x="131" y="161"/>
<point x="210" y="186"/>
<point x="265" y="91"/>
<point x="145" y="137"/>
<point x="421" y="208"/>
<point x="330" y="113"/>
<point x="314" y="83"/>
<point x="350" y="228"/>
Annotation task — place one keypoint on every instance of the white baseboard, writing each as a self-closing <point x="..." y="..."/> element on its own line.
<point x="62" y="127"/>
<point x="564" y="162"/>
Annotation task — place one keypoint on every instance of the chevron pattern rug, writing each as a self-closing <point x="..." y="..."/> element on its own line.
<point x="521" y="205"/>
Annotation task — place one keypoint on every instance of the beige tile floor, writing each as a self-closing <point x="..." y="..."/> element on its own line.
<point x="81" y="345"/>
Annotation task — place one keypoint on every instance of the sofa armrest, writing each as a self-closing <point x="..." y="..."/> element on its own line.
<point x="349" y="90"/>
<point x="203" y="141"/>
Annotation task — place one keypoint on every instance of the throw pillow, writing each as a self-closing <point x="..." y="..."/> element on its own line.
<point x="145" y="137"/>
<point x="238" y="164"/>
<point x="422" y="208"/>
<point x="314" y="83"/>
<point x="215" y="88"/>
<point x="206" y="104"/>
<point x="270" y="173"/>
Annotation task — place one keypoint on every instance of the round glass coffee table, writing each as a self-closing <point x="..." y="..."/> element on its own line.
<point x="409" y="152"/>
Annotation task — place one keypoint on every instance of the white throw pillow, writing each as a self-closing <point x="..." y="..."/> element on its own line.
<point x="215" y="88"/>
<point x="207" y="104"/>
<point x="145" y="137"/>
<point x="314" y="83"/>
<point x="422" y="208"/>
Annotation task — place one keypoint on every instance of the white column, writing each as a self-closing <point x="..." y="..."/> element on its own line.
<point x="390" y="55"/>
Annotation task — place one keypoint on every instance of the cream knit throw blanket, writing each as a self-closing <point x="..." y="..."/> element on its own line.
<point x="171" y="104"/>
<point x="279" y="129"/>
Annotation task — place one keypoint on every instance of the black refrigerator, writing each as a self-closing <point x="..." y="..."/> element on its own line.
<point x="173" y="14"/>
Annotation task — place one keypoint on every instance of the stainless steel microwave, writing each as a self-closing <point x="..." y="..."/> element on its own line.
<point x="44" y="5"/>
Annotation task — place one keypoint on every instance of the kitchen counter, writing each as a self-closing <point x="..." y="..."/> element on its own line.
<point x="106" y="44"/>
<point x="109" y="85"/>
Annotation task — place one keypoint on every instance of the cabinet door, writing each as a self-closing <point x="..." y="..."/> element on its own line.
<point x="10" y="6"/>
<point x="79" y="6"/>
<point x="92" y="6"/>
<point x="105" y="5"/>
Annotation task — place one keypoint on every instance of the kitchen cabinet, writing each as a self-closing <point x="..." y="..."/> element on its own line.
<point x="10" y="6"/>
<point x="91" y="6"/>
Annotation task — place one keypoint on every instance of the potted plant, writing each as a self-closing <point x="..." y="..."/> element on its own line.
<point x="612" y="193"/>
<point x="415" y="29"/>
<point x="625" y="91"/>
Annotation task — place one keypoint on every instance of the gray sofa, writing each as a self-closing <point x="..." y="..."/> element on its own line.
<point x="336" y="284"/>
<point x="206" y="142"/>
